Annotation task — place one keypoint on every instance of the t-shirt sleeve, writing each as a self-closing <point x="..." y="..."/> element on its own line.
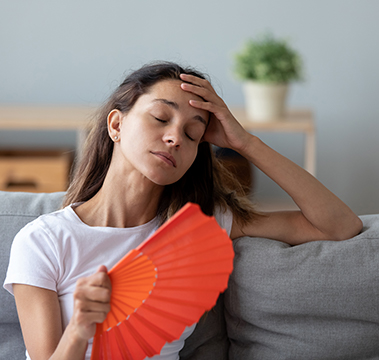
<point x="33" y="259"/>
<point x="224" y="219"/>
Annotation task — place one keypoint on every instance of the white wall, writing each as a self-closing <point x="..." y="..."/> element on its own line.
<point x="77" y="51"/>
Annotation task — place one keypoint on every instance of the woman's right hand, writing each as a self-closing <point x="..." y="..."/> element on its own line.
<point x="41" y="322"/>
<point x="91" y="303"/>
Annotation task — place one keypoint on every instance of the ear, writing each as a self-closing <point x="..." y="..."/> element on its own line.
<point x="114" y="124"/>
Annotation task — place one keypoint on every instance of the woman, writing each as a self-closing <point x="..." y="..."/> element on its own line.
<point x="148" y="155"/>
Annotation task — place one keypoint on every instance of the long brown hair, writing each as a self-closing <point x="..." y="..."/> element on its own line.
<point x="206" y="182"/>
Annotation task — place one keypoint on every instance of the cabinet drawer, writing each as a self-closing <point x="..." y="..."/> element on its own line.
<point x="35" y="171"/>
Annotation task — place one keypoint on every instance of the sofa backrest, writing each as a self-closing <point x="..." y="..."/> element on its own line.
<point x="16" y="210"/>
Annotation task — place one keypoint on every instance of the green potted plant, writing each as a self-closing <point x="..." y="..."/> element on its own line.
<point x="267" y="65"/>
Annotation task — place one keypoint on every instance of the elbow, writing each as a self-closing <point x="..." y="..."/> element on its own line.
<point x="349" y="230"/>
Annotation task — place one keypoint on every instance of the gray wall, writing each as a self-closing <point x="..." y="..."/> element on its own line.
<point x="77" y="51"/>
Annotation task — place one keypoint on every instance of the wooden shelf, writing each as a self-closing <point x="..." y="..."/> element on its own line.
<point x="45" y="117"/>
<point x="294" y="120"/>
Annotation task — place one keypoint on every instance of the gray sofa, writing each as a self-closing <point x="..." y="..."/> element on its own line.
<point x="314" y="301"/>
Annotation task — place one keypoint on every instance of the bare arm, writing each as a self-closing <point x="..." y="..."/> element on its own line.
<point x="322" y="215"/>
<point x="40" y="317"/>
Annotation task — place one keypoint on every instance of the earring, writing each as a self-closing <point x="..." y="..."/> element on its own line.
<point x="115" y="138"/>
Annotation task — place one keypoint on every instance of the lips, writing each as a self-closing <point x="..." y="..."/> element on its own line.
<point x="166" y="157"/>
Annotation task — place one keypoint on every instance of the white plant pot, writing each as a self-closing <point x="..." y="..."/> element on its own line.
<point x="265" y="102"/>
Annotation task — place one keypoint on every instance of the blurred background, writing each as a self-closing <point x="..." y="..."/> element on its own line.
<point x="75" y="52"/>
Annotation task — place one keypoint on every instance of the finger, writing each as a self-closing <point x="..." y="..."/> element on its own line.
<point x="87" y="305"/>
<point x="98" y="294"/>
<point x="197" y="90"/>
<point x="195" y="80"/>
<point x="206" y="105"/>
<point x="86" y="292"/>
<point x="202" y="92"/>
<point x="102" y="268"/>
<point x="96" y="287"/>
<point x="100" y="278"/>
<point x="86" y="318"/>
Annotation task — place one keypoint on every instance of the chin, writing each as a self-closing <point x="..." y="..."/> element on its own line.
<point x="163" y="177"/>
<point x="163" y="181"/>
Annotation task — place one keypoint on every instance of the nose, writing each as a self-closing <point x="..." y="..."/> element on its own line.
<point x="173" y="137"/>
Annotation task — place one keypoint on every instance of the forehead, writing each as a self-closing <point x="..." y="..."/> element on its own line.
<point x="171" y="88"/>
<point x="171" y="91"/>
<point x="168" y="85"/>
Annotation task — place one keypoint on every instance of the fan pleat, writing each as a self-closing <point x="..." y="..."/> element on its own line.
<point x="105" y="347"/>
<point x="177" y="227"/>
<point x="164" y="285"/>
<point x="125" y="261"/>
<point x="149" y="341"/>
<point x="148" y="321"/>
<point x="116" y="352"/>
<point x="133" y="260"/>
<point x="135" y="271"/>
<point x="182" y="272"/>
<point x="182" y="299"/>
<point x="206" y="247"/>
<point x="140" y="281"/>
<point x="200" y="259"/>
<point x="208" y="285"/>
<point x="183" y="310"/>
<point x="215" y="250"/>
<point x="157" y="316"/>
<point x="128" y="297"/>
<point x="121" y="346"/>
<point x="181" y="239"/>
<point x="130" y="291"/>
<point x="130" y="341"/>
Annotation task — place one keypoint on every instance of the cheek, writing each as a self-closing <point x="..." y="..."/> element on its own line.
<point x="190" y="156"/>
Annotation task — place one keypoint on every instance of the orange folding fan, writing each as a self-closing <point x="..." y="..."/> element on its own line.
<point x="164" y="285"/>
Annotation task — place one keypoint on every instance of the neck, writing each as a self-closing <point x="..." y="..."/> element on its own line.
<point x="123" y="201"/>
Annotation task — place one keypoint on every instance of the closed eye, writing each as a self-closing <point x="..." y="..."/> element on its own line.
<point x="165" y="121"/>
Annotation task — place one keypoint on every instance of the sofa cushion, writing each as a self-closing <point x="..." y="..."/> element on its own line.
<point x="318" y="300"/>
<point x="16" y="210"/>
<point x="11" y="343"/>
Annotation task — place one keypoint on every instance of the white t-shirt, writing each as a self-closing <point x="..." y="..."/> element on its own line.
<point x="57" y="249"/>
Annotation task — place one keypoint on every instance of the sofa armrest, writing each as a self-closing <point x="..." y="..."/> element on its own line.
<point x="318" y="300"/>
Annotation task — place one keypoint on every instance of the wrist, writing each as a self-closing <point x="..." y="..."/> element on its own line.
<point x="74" y="342"/>
<point x="250" y="147"/>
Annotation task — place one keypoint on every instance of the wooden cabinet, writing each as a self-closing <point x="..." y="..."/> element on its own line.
<point x="44" y="170"/>
<point x="35" y="171"/>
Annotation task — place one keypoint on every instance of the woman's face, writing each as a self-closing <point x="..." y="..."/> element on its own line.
<point x="159" y="136"/>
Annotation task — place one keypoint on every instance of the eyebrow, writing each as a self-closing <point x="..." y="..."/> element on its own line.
<point x="175" y="106"/>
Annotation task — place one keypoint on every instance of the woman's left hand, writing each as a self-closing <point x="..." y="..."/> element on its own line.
<point x="223" y="130"/>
